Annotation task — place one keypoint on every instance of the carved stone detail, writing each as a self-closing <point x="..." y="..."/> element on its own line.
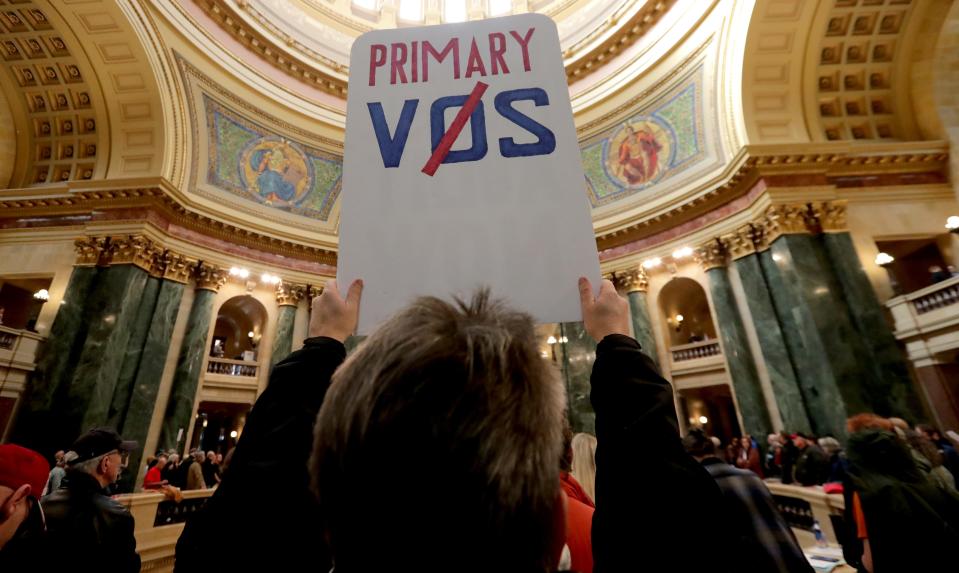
<point x="89" y="250"/>
<point x="831" y="216"/>
<point x="633" y="280"/>
<point x="135" y="250"/>
<point x="747" y="240"/>
<point x="177" y="268"/>
<point x="789" y="219"/>
<point x="711" y="255"/>
<point x="209" y="277"/>
<point x="289" y="294"/>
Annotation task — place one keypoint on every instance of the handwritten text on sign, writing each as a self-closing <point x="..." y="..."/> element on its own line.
<point x="431" y="207"/>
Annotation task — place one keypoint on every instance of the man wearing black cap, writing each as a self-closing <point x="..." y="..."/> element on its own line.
<point x="81" y="518"/>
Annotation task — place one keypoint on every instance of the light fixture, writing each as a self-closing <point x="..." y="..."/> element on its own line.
<point x="682" y="253"/>
<point x="205" y="422"/>
<point x="42" y="294"/>
<point x="551" y="340"/>
<point x="884" y="259"/>
<point x="269" y="279"/>
<point x="233" y="434"/>
<point x="563" y="339"/>
<point x="654" y="262"/>
<point x="952" y="223"/>
<point x="239" y="272"/>
<point x="703" y="419"/>
<point x="680" y="318"/>
<point x="250" y="334"/>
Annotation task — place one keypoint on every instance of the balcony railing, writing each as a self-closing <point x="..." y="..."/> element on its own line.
<point x="945" y="295"/>
<point x="158" y="523"/>
<point x="228" y="367"/>
<point x="696" y="350"/>
<point x="927" y="320"/>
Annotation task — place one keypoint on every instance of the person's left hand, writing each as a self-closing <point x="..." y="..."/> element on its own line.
<point x="333" y="316"/>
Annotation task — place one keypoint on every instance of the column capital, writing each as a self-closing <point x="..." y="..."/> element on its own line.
<point x="831" y="215"/>
<point x="745" y="241"/>
<point x="89" y="250"/>
<point x="313" y="291"/>
<point x="289" y="294"/>
<point x="177" y="268"/>
<point x="789" y="219"/>
<point x="711" y="255"/>
<point x="135" y="250"/>
<point x="633" y="280"/>
<point x="209" y="277"/>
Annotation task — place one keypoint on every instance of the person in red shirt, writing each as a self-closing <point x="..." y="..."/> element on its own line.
<point x="579" y="512"/>
<point x="153" y="479"/>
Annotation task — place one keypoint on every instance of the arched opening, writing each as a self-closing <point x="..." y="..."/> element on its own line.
<point x="240" y="325"/>
<point x="684" y="305"/>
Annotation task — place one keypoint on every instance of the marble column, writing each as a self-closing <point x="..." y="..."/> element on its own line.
<point x="287" y="297"/>
<point x="636" y="285"/>
<point x="898" y="396"/>
<point x="186" y="378"/>
<point x="133" y="353"/>
<point x="577" y="350"/>
<point x="739" y="358"/>
<point x="772" y="343"/>
<point x="57" y="356"/>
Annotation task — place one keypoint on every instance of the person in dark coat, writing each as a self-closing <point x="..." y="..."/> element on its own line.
<point x="813" y="465"/>
<point x="788" y="457"/>
<point x="82" y="520"/>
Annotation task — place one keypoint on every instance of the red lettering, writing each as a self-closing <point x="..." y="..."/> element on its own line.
<point x="524" y="44"/>
<point x="377" y="59"/>
<point x="496" y="53"/>
<point x="475" y="62"/>
<point x="414" y="60"/>
<point x="452" y="46"/>
<point x="397" y="61"/>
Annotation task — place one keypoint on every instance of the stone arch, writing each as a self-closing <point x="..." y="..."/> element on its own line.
<point x="946" y="85"/>
<point x="684" y="306"/>
<point x="236" y="318"/>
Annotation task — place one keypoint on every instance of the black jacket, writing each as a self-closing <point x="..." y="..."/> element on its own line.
<point x="263" y="511"/>
<point x="657" y="509"/>
<point x="85" y="523"/>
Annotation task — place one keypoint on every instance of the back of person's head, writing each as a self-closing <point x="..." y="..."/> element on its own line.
<point x="868" y="421"/>
<point x="929" y="431"/>
<point x="922" y="444"/>
<point x="830" y="445"/>
<point x="438" y="444"/>
<point x="584" y="462"/>
<point x="698" y="444"/>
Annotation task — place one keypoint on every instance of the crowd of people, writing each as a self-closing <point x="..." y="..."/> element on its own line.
<point x="441" y="444"/>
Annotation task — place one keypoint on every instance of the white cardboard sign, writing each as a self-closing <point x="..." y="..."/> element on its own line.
<point x="462" y="170"/>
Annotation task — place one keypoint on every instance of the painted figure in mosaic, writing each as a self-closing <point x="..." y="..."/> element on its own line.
<point x="638" y="156"/>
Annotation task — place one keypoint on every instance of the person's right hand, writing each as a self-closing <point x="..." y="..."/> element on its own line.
<point x="607" y="314"/>
<point x="333" y="316"/>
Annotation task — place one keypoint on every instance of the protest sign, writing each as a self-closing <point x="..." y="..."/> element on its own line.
<point x="462" y="169"/>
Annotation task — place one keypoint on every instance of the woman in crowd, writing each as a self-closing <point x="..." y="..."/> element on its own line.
<point x="584" y="462"/>
<point x="748" y="456"/>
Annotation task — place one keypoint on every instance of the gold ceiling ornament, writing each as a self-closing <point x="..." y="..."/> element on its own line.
<point x="289" y="294"/>
<point x="633" y="280"/>
<point x="831" y="215"/>
<point x="135" y="250"/>
<point x="788" y="219"/>
<point x="89" y="250"/>
<point x="209" y="277"/>
<point x="711" y="255"/>
<point x="178" y="268"/>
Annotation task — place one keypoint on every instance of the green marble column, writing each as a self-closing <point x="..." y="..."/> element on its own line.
<point x="642" y="326"/>
<point x="114" y="307"/>
<point x="134" y="352"/>
<point x="577" y="355"/>
<point x="283" y="336"/>
<point x="772" y="343"/>
<point x="138" y="413"/>
<point x="37" y="421"/>
<point x="897" y="396"/>
<point x="186" y="378"/>
<point x="739" y="358"/>
<point x="833" y="368"/>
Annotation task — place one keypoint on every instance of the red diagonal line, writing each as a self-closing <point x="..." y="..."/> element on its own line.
<point x="443" y="149"/>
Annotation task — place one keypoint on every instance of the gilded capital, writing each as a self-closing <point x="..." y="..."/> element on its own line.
<point x="89" y="250"/>
<point x="209" y="277"/>
<point x="289" y="294"/>
<point x="313" y="291"/>
<point x="177" y="268"/>
<point x="781" y="220"/>
<point x="745" y="241"/>
<point x="135" y="250"/>
<point x="633" y="280"/>
<point x="831" y="215"/>
<point x="711" y="255"/>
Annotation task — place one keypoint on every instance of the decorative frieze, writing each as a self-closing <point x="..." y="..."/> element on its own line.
<point x="209" y="277"/>
<point x="177" y="268"/>
<point x="289" y="294"/>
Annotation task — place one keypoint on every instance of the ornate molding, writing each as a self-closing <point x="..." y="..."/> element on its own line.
<point x="209" y="277"/>
<point x="831" y="215"/>
<point x="633" y="280"/>
<point x="744" y="242"/>
<point x="711" y="255"/>
<point x="791" y="219"/>
<point x="289" y="294"/>
<point x="178" y="268"/>
<point x="135" y="250"/>
<point x="89" y="250"/>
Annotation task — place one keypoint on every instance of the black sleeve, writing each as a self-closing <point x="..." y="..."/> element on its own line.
<point x="263" y="499"/>
<point x="650" y="495"/>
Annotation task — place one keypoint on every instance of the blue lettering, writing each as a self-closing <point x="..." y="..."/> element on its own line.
<point x="392" y="146"/>
<point x="546" y="141"/>
<point x="477" y="129"/>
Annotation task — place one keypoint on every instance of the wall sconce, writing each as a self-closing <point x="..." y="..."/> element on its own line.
<point x="269" y="279"/>
<point x="651" y="263"/>
<point x="42" y="294"/>
<point x="551" y="340"/>
<point x="682" y="253"/>
<point x="884" y="259"/>
<point x="680" y="318"/>
<point x="233" y="434"/>
<point x="952" y="223"/>
<point x="703" y="419"/>
<point x="239" y="272"/>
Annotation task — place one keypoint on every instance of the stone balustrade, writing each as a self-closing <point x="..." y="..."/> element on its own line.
<point x="229" y="367"/>
<point x="696" y="350"/>
<point x="802" y="507"/>
<point x="18" y="349"/>
<point x="927" y="320"/>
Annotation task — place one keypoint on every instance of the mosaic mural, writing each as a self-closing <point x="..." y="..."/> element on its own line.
<point x="648" y="148"/>
<point x="253" y="163"/>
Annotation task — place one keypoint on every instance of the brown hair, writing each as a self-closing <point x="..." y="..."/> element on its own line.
<point x="867" y="421"/>
<point x="438" y="443"/>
